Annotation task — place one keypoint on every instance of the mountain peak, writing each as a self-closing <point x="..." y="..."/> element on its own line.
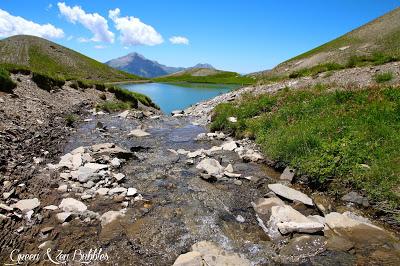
<point x="203" y="65"/>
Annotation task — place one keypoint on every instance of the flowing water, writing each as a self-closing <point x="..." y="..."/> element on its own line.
<point x="178" y="96"/>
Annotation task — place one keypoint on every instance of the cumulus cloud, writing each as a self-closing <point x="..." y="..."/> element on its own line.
<point x="179" y="40"/>
<point x="133" y="31"/>
<point x="13" y="25"/>
<point x="94" y="22"/>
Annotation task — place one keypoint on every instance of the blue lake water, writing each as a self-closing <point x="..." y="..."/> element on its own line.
<point x="178" y="96"/>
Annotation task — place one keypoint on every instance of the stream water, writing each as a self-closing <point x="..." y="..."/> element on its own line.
<point x="179" y="208"/>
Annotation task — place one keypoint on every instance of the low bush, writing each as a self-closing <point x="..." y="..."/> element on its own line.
<point x="113" y="106"/>
<point x="133" y="98"/>
<point x="46" y="82"/>
<point x="6" y="83"/>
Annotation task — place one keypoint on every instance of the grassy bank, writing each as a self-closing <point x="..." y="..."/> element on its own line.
<point x="339" y="139"/>
<point x="220" y="78"/>
<point x="125" y="99"/>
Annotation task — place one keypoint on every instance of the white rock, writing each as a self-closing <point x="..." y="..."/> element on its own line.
<point x="115" y="162"/>
<point x="26" y="205"/>
<point x="51" y="207"/>
<point x="290" y="193"/>
<point x="182" y="151"/>
<point x="210" y="166"/>
<point x="229" y="174"/>
<point x="117" y="190"/>
<point x="110" y="216"/>
<point x="287" y="174"/>
<point x="264" y="205"/>
<point x="5" y="207"/>
<point x="288" y="220"/>
<point x="232" y="119"/>
<point x="119" y="176"/>
<point x="229" y="146"/>
<point x="229" y="168"/>
<point x="124" y="114"/>
<point x="72" y="205"/>
<point x="240" y="219"/>
<point x="195" y="153"/>
<point x="65" y="176"/>
<point x="251" y="155"/>
<point x="86" y="196"/>
<point x="131" y="191"/>
<point x="173" y="151"/>
<point x="138" y="133"/>
<point x="102" y="191"/>
<point x="76" y="161"/>
<point x="63" y="216"/>
<point x="62" y="188"/>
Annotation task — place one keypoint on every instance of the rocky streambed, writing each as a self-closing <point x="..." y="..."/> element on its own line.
<point x="142" y="189"/>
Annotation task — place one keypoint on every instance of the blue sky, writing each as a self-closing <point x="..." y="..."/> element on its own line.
<point x="237" y="35"/>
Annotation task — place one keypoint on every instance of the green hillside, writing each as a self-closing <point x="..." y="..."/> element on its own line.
<point x="43" y="56"/>
<point x="206" y="75"/>
<point x="374" y="43"/>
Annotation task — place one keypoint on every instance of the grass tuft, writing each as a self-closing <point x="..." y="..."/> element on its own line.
<point x="383" y="77"/>
<point x="6" y="83"/>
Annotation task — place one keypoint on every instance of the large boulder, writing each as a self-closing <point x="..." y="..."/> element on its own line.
<point x="110" y="216"/>
<point x="72" y="205"/>
<point x="210" y="166"/>
<point x="26" y="205"/>
<point x="285" y="219"/>
<point x="290" y="193"/>
<point x="229" y="146"/>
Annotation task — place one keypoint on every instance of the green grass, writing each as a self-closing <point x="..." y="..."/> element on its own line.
<point x="125" y="95"/>
<point x="383" y="77"/>
<point x="327" y="135"/>
<point x="315" y="70"/>
<point x="48" y="58"/>
<point x="6" y="83"/>
<point x="46" y="82"/>
<point x="113" y="106"/>
<point x="219" y="78"/>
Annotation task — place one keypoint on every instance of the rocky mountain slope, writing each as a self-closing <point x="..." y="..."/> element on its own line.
<point x="43" y="56"/>
<point x="373" y="43"/>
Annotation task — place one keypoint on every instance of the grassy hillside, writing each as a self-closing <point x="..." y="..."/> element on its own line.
<point x="340" y="139"/>
<point x="43" y="56"/>
<point x="206" y="75"/>
<point x="374" y="43"/>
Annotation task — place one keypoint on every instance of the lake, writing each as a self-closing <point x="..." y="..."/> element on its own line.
<point x="178" y="96"/>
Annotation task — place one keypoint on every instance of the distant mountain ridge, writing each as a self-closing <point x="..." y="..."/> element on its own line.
<point x="137" y="64"/>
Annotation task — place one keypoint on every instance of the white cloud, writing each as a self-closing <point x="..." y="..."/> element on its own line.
<point x="13" y="25"/>
<point x="82" y="39"/>
<point x="179" y="40"/>
<point x="94" y="22"/>
<point x="49" y="6"/>
<point x="133" y="31"/>
<point x="100" y="46"/>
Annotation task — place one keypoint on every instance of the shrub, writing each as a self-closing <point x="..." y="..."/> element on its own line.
<point x="20" y="70"/>
<point x="100" y="87"/>
<point x="6" y="83"/>
<point x="70" y="119"/>
<point x="383" y="77"/>
<point x="113" y="106"/>
<point x="84" y="85"/>
<point x="46" y="82"/>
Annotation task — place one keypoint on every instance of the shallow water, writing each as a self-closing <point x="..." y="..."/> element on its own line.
<point x="179" y="96"/>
